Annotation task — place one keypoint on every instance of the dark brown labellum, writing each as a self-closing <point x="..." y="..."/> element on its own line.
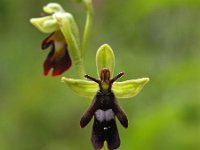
<point x="104" y="108"/>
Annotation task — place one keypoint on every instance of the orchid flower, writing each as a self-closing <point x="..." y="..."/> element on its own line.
<point x="105" y="92"/>
<point x="63" y="40"/>
<point x="105" y="59"/>
<point x="66" y="50"/>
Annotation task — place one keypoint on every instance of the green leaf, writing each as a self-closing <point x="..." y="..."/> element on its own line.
<point x="105" y="58"/>
<point x="81" y="87"/>
<point x="128" y="88"/>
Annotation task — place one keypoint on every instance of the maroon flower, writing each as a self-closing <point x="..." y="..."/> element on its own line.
<point x="58" y="58"/>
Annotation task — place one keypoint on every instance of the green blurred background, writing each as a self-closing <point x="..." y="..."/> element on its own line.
<point x="159" y="39"/>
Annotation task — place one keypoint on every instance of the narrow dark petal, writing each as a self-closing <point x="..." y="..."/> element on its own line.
<point x="117" y="77"/>
<point x="92" y="79"/>
<point x="123" y="120"/>
<point x="85" y="119"/>
<point x="87" y="116"/>
<point x="48" y="41"/>
<point x="120" y="115"/>
<point x="48" y="62"/>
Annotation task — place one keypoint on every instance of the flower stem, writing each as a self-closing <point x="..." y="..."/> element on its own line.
<point x="88" y="25"/>
<point x="87" y="32"/>
<point x="80" y="68"/>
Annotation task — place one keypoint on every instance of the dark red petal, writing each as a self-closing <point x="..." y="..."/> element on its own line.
<point x="120" y="115"/>
<point x="48" y="62"/>
<point x="58" y="66"/>
<point x="58" y="59"/>
<point x="62" y="64"/>
<point x="48" y="41"/>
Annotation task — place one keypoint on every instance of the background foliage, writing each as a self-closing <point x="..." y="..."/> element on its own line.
<point x="156" y="39"/>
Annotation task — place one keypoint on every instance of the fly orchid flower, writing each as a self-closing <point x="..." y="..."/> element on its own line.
<point x="65" y="50"/>
<point x="105" y="92"/>
<point x="63" y="40"/>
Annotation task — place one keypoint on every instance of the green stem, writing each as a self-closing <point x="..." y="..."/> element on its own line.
<point x="87" y="31"/>
<point x="80" y="68"/>
<point x="88" y="24"/>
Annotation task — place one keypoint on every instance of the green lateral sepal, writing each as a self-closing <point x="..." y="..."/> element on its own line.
<point x="81" y="87"/>
<point x="129" y="88"/>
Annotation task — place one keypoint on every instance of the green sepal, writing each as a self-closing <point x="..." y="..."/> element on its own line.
<point x="46" y="24"/>
<point x="105" y="58"/>
<point x="81" y="87"/>
<point x="51" y="8"/>
<point x="129" y="88"/>
<point x="125" y="89"/>
<point x="70" y="32"/>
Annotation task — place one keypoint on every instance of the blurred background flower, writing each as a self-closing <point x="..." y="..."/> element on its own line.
<point x="158" y="39"/>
